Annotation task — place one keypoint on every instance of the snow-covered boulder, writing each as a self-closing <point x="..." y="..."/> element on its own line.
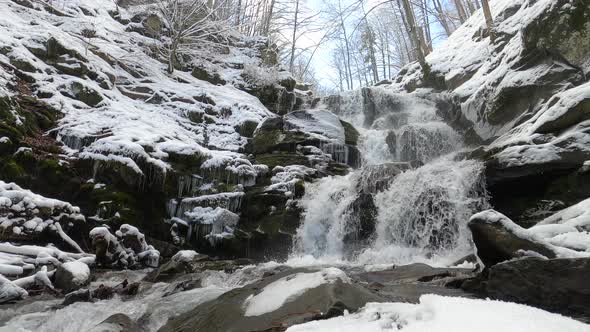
<point x="72" y="276"/>
<point x="498" y="239"/>
<point x="26" y="216"/>
<point x="127" y="249"/>
<point x="562" y="235"/>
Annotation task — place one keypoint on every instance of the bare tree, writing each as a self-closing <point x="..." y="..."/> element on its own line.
<point x="489" y="20"/>
<point x="190" y="24"/>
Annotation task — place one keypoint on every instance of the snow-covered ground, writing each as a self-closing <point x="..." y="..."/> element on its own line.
<point x="446" y="314"/>
<point x="143" y="114"/>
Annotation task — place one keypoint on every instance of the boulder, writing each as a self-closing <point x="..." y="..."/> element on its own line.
<point x="555" y="284"/>
<point x="72" y="276"/>
<point x="277" y="302"/>
<point x="498" y="239"/>
<point x="81" y="295"/>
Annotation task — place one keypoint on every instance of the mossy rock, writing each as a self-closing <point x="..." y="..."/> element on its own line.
<point x="204" y="75"/>
<point x="247" y="128"/>
<point x="281" y="159"/>
<point x="84" y="94"/>
<point x="23" y="65"/>
<point x="351" y="135"/>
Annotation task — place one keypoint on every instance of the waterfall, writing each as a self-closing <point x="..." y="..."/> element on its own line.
<point x="389" y="211"/>
<point x="426" y="210"/>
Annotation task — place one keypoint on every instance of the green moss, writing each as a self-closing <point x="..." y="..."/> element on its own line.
<point x="11" y="170"/>
<point x="281" y="159"/>
<point x="351" y="135"/>
<point x="264" y="141"/>
<point x="299" y="189"/>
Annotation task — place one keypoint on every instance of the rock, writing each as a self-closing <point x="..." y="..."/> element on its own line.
<point x="10" y="292"/>
<point x="205" y="75"/>
<point x="556" y="284"/>
<point x="498" y="239"/>
<point x="117" y="323"/>
<point x="81" y="295"/>
<point x="185" y="263"/>
<point x="72" y="276"/>
<point x="249" y="311"/>
<point x="83" y="93"/>
<point x="407" y="283"/>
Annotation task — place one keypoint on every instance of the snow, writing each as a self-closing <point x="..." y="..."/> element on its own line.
<point x="565" y="237"/>
<point x="79" y="271"/>
<point x="21" y="199"/>
<point x="567" y="228"/>
<point x="322" y="123"/>
<point x="286" y="289"/>
<point x="119" y="254"/>
<point x="136" y="133"/>
<point x="437" y="313"/>
<point x="185" y="256"/>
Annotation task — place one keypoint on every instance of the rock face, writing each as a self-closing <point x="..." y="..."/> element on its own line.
<point x="498" y="239"/>
<point x="72" y="276"/>
<point x="257" y="307"/>
<point x="556" y="284"/>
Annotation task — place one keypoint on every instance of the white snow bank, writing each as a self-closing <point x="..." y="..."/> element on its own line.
<point x="286" y="289"/>
<point x="437" y="313"/>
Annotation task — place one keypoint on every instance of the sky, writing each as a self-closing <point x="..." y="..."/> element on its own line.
<point x="321" y="61"/>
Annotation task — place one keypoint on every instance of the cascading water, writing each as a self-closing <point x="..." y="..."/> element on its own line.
<point x="417" y="214"/>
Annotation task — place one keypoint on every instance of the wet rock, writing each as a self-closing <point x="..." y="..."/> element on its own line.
<point x="320" y="301"/>
<point x="498" y="239"/>
<point x="72" y="276"/>
<point x="556" y="284"/>
<point x="407" y="283"/>
<point x="117" y="323"/>
<point x="189" y="263"/>
<point x="81" y="295"/>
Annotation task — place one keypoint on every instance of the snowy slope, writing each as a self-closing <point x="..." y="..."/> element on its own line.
<point x="118" y="103"/>
<point x="538" y="51"/>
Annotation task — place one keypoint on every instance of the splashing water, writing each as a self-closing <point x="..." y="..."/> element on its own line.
<point x="327" y="216"/>
<point x="426" y="211"/>
<point x="419" y="216"/>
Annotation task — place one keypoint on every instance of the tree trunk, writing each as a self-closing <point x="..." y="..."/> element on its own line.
<point x="442" y="18"/>
<point x="269" y="18"/>
<point x="460" y="11"/>
<point x="414" y="35"/>
<point x="294" y="39"/>
<point x="489" y="20"/>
